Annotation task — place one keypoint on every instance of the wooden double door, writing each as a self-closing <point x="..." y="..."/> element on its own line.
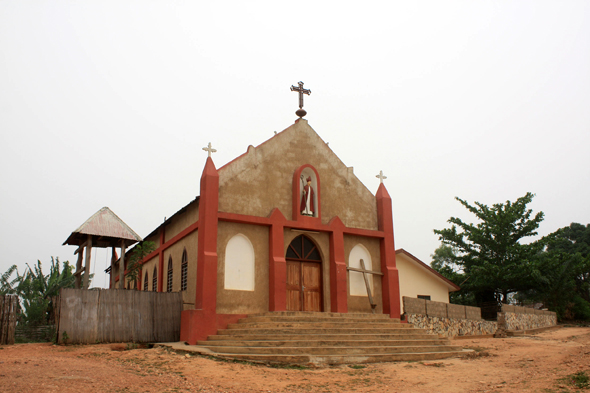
<point x="304" y="276"/>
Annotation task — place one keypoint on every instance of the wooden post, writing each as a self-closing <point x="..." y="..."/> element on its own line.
<point x="113" y="260"/>
<point x="373" y="304"/>
<point x="87" y="264"/>
<point x="80" y="252"/>
<point x="122" y="266"/>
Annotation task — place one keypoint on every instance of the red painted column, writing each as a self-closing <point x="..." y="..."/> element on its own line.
<point x="390" y="280"/>
<point x="206" y="298"/>
<point x="338" y="272"/>
<point x="201" y="322"/>
<point x="277" y="300"/>
<point x="161" y="260"/>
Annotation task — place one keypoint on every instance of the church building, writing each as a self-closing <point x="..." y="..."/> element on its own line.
<point x="286" y="226"/>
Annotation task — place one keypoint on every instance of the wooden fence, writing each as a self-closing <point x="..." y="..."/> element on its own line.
<point x="118" y="315"/>
<point x="41" y="333"/>
<point x="8" y="306"/>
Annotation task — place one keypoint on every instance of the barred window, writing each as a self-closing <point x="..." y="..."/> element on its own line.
<point x="155" y="280"/>
<point x="184" y="271"/>
<point x="145" y="282"/>
<point x="169" y="278"/>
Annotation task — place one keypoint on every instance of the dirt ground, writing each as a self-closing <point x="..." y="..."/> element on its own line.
<point x="538" y="363"/>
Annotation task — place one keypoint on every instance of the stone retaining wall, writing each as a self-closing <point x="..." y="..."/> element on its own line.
<point x="450" y="327"/>
<point x="523" y="318"/>
<point x="516" y="321"/>
<point x="452" y="320"/>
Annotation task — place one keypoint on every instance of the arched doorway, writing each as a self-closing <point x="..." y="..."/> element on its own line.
<point x="304" y="275"/>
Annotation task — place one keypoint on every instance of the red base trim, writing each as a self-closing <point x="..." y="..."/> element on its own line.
<point x="198" y="325"/>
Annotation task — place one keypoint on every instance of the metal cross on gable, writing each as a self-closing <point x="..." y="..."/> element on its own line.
<point x="380" y="176"/>
<point x="301" y="112"/>
<point x="209" y="150"/>
<point x="366" y="277"/>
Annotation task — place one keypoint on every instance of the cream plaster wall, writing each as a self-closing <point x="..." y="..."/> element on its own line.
<point x="182" y="220"/>
<point x="415" y="280"/>
<point x="236" y="301"/>
<point x="361" y="303"/>
<point x="149" y="268"/>
<point x="189" y="243"/>
<point x="262" y="179"/>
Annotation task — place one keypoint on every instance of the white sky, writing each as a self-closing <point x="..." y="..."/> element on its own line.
<point x="108" y="103"/>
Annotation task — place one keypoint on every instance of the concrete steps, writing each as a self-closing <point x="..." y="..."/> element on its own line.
<point x="327" y="339"/>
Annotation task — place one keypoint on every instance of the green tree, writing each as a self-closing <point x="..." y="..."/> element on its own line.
<point x="444" y="261"/>
<point x="36" y="291"/>
<point x="137" y="254"/>
<point x="7" y="283"/>
<point x="490" y="253"/>
<point x="561" y="277"/>
<point x="574" y="240"/>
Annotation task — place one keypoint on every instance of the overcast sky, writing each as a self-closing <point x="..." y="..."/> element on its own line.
<point x="108" y="103"/>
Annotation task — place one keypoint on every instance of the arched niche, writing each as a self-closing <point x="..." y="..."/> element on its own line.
<point x="239" y="264"/>
<point x="356" y="279"/>
<point x="299" y="182"/>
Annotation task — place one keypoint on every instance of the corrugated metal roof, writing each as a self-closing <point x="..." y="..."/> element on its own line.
<point x="108" y="228"/>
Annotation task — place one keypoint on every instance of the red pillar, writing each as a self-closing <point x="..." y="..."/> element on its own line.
<point x="390" y="280"/>
<point x="277" y="300"/>
<point x="201" y="322"/>
<point x="338" y="272"/>
<point x="206" y="298"/>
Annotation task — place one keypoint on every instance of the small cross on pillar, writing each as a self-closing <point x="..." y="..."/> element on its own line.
<point x="209" y="150"/>
<point x="380" y="176"/>
<point x="301" y="112"/>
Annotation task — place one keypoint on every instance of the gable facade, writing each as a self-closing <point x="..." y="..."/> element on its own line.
<point x="247" y="223"/>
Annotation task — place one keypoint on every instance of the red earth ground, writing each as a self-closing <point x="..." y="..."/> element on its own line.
<point x="540" y="363"/>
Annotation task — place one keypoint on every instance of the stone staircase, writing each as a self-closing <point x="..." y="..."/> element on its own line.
<point x="326" y="339"/>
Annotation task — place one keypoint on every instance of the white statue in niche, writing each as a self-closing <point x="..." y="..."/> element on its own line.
<point x="307" y="207"/>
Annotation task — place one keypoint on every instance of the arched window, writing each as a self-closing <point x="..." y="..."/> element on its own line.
<point x="356" y="279"/>
<point x="183" y="271"/>
<point x="169" y="278"/>
<point x="239" y="264"/>
<point x="155" y="280"/>
<point x="145" y="282"/>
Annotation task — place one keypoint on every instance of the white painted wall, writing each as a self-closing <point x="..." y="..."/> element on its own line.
<point x="239" y="264"/>
<point x="357" y="281"/>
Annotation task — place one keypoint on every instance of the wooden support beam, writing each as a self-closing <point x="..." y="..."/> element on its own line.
<point x="113" y="260"/>
<point x="373" y="304"/>
<point x="79" y="269"/>
<point x="367" y="284"/>
<point x="122" y="266"/>
<point x="87" y="264"/>
<point x="354" y="269"/>
<point x="78" y="272"/>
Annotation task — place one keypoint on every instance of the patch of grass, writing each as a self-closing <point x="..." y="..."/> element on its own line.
<point x="357" y="366"/>
<point x="580" y="380"/>
<point x="478" y="349"/>
<point x="477" y="355"/>
<point x="132" y="346"/>
<point x="289" y="366"/>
